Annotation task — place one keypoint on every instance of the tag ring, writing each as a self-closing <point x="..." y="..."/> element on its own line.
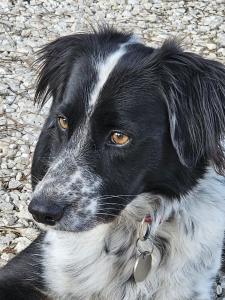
<point x="144" y="231"/>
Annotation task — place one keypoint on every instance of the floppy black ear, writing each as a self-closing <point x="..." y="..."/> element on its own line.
<point x="194" y="90"/>
<point x="57" y="59"/>
<point x="55" y="62"/>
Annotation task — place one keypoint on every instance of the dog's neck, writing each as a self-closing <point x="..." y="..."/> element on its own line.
<point x="102" y="260"/>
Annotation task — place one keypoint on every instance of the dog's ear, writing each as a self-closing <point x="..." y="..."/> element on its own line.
<point x="55" y="62"/>
<point x="194" y="91"/>
<point x="56" y="59"/>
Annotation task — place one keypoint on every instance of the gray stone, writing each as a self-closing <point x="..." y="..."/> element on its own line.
<point x="5" y="206"/>
<point x="221" y="39"/>
<point x="211" y="46"/>
<point x="21" y="243"/>
<point x="213" y="21"/>
<point x="14" y="184"/>
<point x="7" y="256"/>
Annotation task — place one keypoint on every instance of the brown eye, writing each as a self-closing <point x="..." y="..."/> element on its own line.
<point x="63" y="123"/>
<point x="119" y="138"/>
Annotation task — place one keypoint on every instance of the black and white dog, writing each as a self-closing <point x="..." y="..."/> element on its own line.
<point x="133" y="133"/>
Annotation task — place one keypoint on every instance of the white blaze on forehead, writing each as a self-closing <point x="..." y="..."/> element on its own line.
<point x="104" y="69"/>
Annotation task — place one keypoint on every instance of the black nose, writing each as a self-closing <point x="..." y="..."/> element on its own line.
<point x="46" y="213"/>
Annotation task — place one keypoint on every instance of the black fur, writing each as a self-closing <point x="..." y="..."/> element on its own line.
<point x="21" y="278"/>
<point x="170" y="102"/>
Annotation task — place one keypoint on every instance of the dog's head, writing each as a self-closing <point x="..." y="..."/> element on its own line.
<point x="125" y="119"/>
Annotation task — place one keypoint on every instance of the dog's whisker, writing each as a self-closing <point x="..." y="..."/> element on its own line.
<point x="112" y="204"/>
<point x="35" y="179"/>
<point x="122" y="195"/>
<point x="110" y="208"/>
<point x="109" y="197"/>
<point x="106" y="214"/>
<point x="101" y="219"/>
<point x="116" y="196"/>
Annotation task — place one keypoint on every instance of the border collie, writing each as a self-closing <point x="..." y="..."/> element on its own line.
<point x="133" y="143"/>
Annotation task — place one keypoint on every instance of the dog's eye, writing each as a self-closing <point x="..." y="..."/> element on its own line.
<point x="119" y="138"/>
<point x="63" y="123"/>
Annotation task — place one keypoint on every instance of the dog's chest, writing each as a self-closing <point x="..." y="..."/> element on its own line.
<point x="79" y="266"/>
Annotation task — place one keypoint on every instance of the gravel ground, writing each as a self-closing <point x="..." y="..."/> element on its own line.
<point x="24" y="27"/>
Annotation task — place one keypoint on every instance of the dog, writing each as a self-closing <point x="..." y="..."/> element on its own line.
<point x="127" y="174"/>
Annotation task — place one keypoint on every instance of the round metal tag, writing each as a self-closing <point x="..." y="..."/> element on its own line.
<point x="142" y="266"/>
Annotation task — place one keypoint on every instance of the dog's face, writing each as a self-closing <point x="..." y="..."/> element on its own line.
<point x="113" y="131"/>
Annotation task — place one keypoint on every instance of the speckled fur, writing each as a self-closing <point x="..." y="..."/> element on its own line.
<point x="93" y="192"/>
<point x="98" y="264"/>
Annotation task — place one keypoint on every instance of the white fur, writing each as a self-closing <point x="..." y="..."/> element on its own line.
<point x="104" y="69"/>
<point x="78" y="267"/>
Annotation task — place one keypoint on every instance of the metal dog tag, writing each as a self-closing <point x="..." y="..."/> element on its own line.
<point x="144" y="231"/>
<point x="142" y="266"/>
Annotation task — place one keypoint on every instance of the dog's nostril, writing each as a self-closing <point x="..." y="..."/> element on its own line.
<point x="47" y="213"/>
<point x="49" y="219"/>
